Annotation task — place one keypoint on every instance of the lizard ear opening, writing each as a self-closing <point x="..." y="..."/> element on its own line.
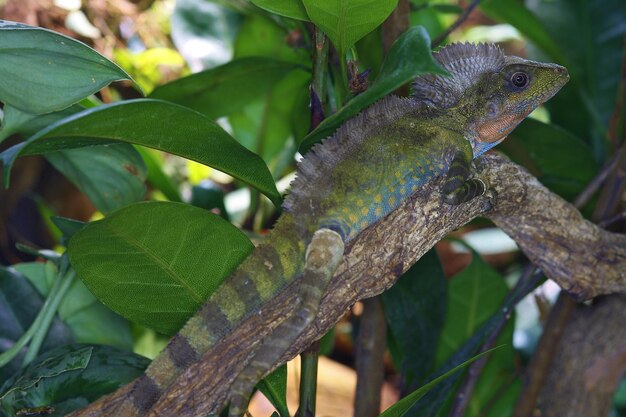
<point x="467" y="63"/>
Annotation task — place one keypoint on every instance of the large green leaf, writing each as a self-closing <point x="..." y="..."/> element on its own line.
<point x="409" y="57"/>
<point x="43" y="71"/>
<point x="289" y="8"/>
<point x="473" y="296"/>
<point x="222" y="90"/>
<point x="347" y="21"/>
<point x="111" y="176"/>
<point x="68" y="378"/>
<point x="89" y="320"/>
<point x="156" y="262"/>
<point x="415" y="309"/>
<point x="156" y="124"/>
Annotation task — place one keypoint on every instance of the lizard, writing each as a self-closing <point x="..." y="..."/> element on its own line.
<point x="345" y="184"/>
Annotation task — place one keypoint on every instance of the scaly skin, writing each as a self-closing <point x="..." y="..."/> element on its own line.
<point x="349" y="182"/>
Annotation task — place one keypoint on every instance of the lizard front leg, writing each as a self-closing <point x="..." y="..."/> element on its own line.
<point x="322" y="258"/>
<point x="458" y="187"/>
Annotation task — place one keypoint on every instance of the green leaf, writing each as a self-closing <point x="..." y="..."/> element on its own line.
<point x="89" y="320"/>
<point x="515" y="13"/>
<point x="586" y="104"/>
<point x="401" y="407"/>
<point x="67" y="227"/>
<point x="222" y="90"/>
<point x="69" y="378"/>
<point x="474" y="295"/>
<point x="415" y="310"/>
<point x="156" y="124"/>
<point x="468" y="314"/>
<point x="262" y="36"/>
<point x="347" y="21"/>
<point x="111" y="176"/>
<point x="539" y="146"/>
<point x="409" y="57"/>
<point x="288" y="8"/>
<point x="274" y="387"/>
<point x="265" y="124"/>
<point x="43" y="71"/>
<point x="155" y="263"/>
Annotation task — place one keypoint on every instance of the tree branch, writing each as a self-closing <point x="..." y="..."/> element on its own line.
<point x="579" y="256"/>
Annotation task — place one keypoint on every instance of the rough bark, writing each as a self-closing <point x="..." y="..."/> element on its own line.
<point x="582" y="258"/>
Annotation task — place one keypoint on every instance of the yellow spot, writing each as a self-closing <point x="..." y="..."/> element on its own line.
<point x="378" y="198"/>
<point x="414" y="177"/>
<point x="365" y="210"/>
<point x="353" y="218"/>
<point x="363" y="224"/>
<point x="398" y="174"/>
<point x="392" y="200"/>
<point x="378" y="211"/>
<point x="440" y="166"/>
<point x="402" y="181"/>
<point x="360" y="202"/>
<point x="414" y="188"/>
<point x="403" y="191"/>
<point x="345" y="210"/>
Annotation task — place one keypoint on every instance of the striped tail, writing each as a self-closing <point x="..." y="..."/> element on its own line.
<point x="271" y="266"/>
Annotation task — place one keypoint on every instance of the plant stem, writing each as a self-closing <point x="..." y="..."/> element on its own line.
<point x="345" y="90"/>
<point x="319" y="81"/>
<point x="55" y="297"/>
<point x="308" y="381"/>
<point x="468" y="10"/>
<point x="370" y="352"/>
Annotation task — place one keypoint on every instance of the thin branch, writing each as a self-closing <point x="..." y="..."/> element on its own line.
<point x="370" y="353"/>
<point x="596" y="182"/>
<point x="608" y="222"/>
<point x="459" y="21"/>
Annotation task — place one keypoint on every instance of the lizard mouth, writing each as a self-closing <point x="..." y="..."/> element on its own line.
<point x="560" y="79"/>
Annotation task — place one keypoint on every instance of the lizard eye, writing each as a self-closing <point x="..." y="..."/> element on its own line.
<point x="519" y="79"/>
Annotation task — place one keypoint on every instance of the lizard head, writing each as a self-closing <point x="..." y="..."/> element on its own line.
<point x="487" y="92"/>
